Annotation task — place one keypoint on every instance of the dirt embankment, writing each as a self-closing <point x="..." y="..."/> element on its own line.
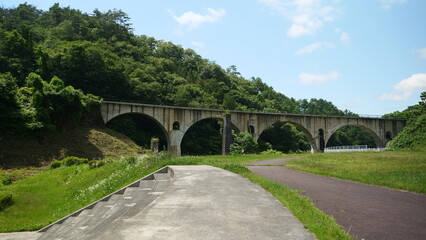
<point x="85" y="142"/>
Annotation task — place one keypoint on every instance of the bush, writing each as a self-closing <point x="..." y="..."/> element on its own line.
<point x="96" y="163"/>
<point x="55" y="164"/>
<point x="5" y="179"/>
<point x="244" y="143"/>
<point x="5" y="200"/>
<point x="70" y="161"/>
<point x="271" y="151"/>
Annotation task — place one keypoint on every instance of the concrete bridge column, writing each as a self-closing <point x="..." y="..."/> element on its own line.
<point x="319" y="141"/>
<point x="226" y="134"/>
<point x="175" y="137"/>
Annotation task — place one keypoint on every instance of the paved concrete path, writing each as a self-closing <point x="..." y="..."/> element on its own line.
<point x="205" y="202"/>
<point x="202" y="202"/>
<point x="365" y="211"/>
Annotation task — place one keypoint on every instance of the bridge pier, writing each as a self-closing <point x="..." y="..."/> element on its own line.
<point x="175" y="137"/>
<point x="226" y="134"/>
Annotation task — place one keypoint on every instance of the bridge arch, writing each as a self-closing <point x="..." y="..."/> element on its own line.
<point x="210" y="128"/>
<point x="299" y="126"/>
<point x="150" y="118"/>
<point x="217" y="117"/>
<point x="375" y="135"/>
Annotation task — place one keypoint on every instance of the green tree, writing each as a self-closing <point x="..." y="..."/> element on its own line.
<point x="284" y="137"/>
<point x="17" y="54"/>
<point x="49" y="106"/>
<point x="203" y="138"/>
<point x="243" y="143"/>
<point x="10" y="115"/>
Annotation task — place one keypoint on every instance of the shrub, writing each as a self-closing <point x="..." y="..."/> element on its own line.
<point x="5" y="200"/>
<point x="83" y="161"/>
<point x="244" y="143"/>
<point x="100" y="163"/>
<point x="5" y="179"/>
<point x="55" y="164"/>
<point x="271" y="151"/>
<point x="70" y="161"/>
<point x="96" y="163"/>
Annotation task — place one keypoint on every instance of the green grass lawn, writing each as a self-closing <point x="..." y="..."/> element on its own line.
<point x="55" y="193"/>
<point x="398" y="170"/>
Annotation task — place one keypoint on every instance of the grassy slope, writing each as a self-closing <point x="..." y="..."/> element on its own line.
<point x="37" y="203"/>
<point x="91" y="143"/>
<point x="398" y="170"/>
<point x="54" y="193"/>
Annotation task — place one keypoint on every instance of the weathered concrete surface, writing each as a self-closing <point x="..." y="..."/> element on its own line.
<point x="20" y="236"/>
<point x="175" y="122"/>
<point x="205" y="202"/>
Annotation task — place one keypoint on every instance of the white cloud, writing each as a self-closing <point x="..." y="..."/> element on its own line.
<point x="421" y="52"/>
<point x="306" y="16"/>
<point x="314" y="47"/>
<point x="191" y="20"/>
<point x="198" y="45"/>
<point x="406" y="88"/>
<point x="344" y="37"/>
<point x="317" y="79"/>
<point x="386" y="4"/>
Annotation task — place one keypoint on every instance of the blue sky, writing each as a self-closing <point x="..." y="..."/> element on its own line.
<point x="367" y="56"/>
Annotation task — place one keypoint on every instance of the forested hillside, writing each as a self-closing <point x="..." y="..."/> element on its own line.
<point x="61" y="59"/>
<point x="413" y="136"/>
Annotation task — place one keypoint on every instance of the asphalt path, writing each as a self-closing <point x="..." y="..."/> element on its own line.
<point x="365" y="211"/>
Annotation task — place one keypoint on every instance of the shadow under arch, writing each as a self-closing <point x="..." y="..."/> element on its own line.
<point x="140" y="128"/>
<point x="374" y="136"/>
<point x="204" y="137"/>
<point x="290" y="136"/>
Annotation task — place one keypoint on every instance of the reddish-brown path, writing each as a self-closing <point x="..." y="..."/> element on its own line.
<point x="365" y="211"/>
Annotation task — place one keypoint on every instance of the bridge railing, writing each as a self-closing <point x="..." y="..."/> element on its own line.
<point x="353" y="148"/>
<point x="112" y="100"/>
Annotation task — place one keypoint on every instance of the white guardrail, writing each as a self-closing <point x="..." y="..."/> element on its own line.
<point x="356" y="148"/>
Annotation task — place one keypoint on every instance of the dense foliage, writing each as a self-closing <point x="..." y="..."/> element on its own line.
<point x="99" y="54"/>
<point x="413" y="136"/>
<point x="39" y="106"/>
<point x="243" y="143"/>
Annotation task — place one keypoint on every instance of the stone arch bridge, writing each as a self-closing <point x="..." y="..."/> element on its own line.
<point x="175" y="121"/>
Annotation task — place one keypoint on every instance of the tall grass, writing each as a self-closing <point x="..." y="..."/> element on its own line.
<point x="398" y="170"/>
